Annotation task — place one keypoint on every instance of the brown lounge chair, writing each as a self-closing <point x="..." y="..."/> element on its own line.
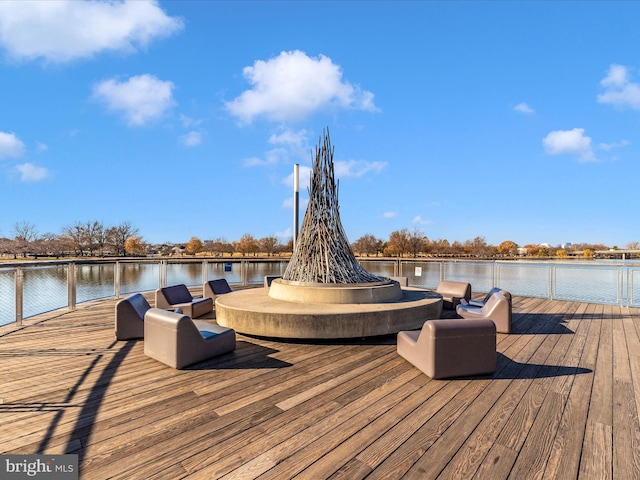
<point x="497" y="308"/>
<point x="178" y="296"/>
<point x="129" y="318"/>
<point x="453" y="292"/>
<point x="179" y="341"/>
<point x="451" y="348"/>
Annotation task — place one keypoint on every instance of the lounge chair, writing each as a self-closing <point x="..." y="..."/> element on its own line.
<point x="481" y="303"/>
<point x="178" y="296"/>
<point x="213" y="288"/>
<point x="129" y="318"/>
<point x="451" y="348"/>
<point x="497" y="308"/>
<point x="453" y="292"/>
<point x="179" y="341"/>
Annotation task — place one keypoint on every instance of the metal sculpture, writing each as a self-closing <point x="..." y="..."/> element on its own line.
<point x="322" y="253"/>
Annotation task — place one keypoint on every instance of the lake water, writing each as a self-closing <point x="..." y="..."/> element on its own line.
<point x="45" y="287"/>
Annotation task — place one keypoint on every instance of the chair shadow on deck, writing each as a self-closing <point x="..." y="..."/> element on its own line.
<point x="509" y="369"/>
<point x="540" y="324"/>
<point x="256" y="358"/>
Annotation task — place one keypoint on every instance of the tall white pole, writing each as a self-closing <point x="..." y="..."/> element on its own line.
<point x="296" y="200"/>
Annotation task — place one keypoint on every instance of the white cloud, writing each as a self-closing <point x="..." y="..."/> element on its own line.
<point x="295" y="141"/>
<point x="610" y="146"/>
<point x="32" y="173"/>
<point x="191" y="139"/>
<point x="64" y="30"/>
<point x="42" y="147"/>
<point x="389" y="215"/>
<point x="523" y="108"/>
<point x="419" y="220"/>
<point x="290" y="147"/>
<point x="573" y="142"/>
<point x="188" y="122"/>
<point x="285" y="235"/>
<point x="620" y="91"/>
<point x="141" y="98"/>
<point x="10" y="145"/>
<point x="292" y="86"/>
<point x="357" y="168"/>
<point x="304" y="176"/>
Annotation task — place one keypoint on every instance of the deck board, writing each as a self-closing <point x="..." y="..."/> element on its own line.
<point x="563" y="403"/>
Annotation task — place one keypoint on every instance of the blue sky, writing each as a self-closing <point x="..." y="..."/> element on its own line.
<point x="507" y="120"/>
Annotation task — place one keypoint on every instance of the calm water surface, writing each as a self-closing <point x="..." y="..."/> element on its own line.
<point x="45" y="287"/>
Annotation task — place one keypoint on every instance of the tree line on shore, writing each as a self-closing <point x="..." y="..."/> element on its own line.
<point x="95" y="239"/>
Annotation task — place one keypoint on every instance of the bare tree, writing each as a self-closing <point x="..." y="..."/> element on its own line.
<point x="77" y="233"/>
<point x="247" y="244"/>
<point x="25" y="235"/>
<point x="399" y="242"/>
<point x="117" y="236"/>
<point x="367" y="244"/>
<point x="417" y="242"/>
<point x="269" y="245"/>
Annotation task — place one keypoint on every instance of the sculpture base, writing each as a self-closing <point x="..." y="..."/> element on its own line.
<point x="255" y="312"/>
<point x="378" y="292"/>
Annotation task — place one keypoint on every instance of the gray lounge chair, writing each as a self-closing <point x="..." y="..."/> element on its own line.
<point x="453" y="292"/>
<point x="129" y="317"/>
<point x="179" y="341"/>
<point x="451" y="348"/>
<point x="178" y="296"/>
<point x="481" y="303"/>
<point x="497" y="308"/>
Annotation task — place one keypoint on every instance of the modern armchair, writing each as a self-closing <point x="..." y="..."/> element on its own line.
<point x="129" y="318"/>
<point x="178" y="296"/>
<point x="497" y="308"/>
<point x="179" y="341"/>
<point x="213" y="288"/>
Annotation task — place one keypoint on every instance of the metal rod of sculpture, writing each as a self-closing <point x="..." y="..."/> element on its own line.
<point x="322" y="253"/>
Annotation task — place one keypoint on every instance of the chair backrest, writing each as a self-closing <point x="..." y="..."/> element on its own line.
<point x="496" y="301"/>
<point x="176" y="294"/>
<point x="219" y="286"/>
<point x="489" y="293"/>
<point x="138" y="303"/>
<point x="495" y="290"/>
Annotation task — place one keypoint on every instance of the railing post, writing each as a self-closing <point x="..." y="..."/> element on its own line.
<point x="243" y="272"/>
<point x="551" y="286"/>
<point x="19" y="283"/>
<point x="162" y="274"/>
<point x="116" y="279"/>
<point x="71" y="285"/>
<point x="205" y="273"/>
<point x="494" y="269"/>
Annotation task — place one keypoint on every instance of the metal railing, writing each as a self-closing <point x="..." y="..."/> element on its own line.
<point x="29" y="289"/>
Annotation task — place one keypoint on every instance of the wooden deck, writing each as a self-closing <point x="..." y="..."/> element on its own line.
<point x="563" y="404"/>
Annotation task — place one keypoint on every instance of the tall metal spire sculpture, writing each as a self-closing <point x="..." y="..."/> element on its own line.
<point x="322" y="253"/>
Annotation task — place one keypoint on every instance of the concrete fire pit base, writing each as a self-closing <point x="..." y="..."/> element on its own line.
<point x="254" y="312"/>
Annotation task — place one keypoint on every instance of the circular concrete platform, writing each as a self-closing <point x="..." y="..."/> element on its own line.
<point x="377" y="292"/>
<point x="254" y="312"/>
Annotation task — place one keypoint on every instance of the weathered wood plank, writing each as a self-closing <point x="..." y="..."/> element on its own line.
<point x="563" y="403"/>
